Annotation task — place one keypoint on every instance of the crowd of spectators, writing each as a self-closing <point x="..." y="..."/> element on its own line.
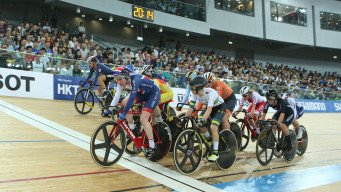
<point x="47" y="48"/>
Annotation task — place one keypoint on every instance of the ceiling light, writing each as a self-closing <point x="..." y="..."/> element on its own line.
<point x="78" y="10"/>
<point x="145" y="25"/>
<point x="160" y="29"/>
<point x="83" y="15"/>
<point x="128" y="22"/>
<point x="334" y="57"/>
<point x="131" y="25"/>
<point x="111" y="19"/>
<point x="230" y="42"/>
<point x="100" y="18"/>
<point x="187" y="34"/>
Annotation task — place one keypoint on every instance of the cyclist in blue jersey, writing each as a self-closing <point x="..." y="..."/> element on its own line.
<point x="148" y="71"/>
<point x="143" y="89"/>
<point x="103" y="74"/>
<point x="190" y="75"/>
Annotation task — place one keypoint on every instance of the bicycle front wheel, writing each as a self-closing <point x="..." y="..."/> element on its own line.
<point x="187" y="153"/>
<point x="84" y="101"/>
<point x="103" y="152"/>
<point x="265" y="147"/>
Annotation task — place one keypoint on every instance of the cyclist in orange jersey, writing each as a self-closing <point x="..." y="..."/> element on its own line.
<point x="225" y="92"/>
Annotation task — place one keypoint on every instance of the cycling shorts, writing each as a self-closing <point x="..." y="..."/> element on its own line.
<point x="230" y="103"/>
<point x="300" y="111"/>
<point x="258" y="110"/>
<point x="151" y="100"/>
<point x="165" y="97"/>
<point x="108" y="78"/>
<point x="287" y="120"/>
<point x="217" y="114"/>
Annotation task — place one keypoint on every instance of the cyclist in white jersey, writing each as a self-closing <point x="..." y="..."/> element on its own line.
<point x="298" y="112"/>
<point x="216" y="109"/>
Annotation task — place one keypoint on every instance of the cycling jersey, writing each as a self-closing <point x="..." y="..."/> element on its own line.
<point x="143" y="89"/>
<point x="210" y="98"/>
<point x="166" y="92"/>
<point x="255" y="99"/>
<point x="222" y="88"/>
<point x="296" y="106"/>
<point x="282" y="106"/>
<point x="100" y="69"/>
<point x="158" y="76"/>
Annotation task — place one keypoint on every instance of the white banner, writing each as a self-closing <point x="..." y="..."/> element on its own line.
<point x="20" y="83"/>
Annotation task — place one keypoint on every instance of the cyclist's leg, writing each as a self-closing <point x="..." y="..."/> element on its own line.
<point x="230" y="103"/>
<point x="217" y="117"/>
<point x="149" y="106"/>
<point x="129" y="117"/>
<point x="250" y="118"/>
<point x="101" y="79"/>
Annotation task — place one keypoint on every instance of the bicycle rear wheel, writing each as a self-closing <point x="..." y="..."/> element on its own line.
<point x="165" y="135"/>
<point x="302" y="145"/>
<point x="84" y="101"/>
<point x="237" y="133"/>
<point x="290" y="155"/>
<point x="188" y="151"/>
<point x="103" y="152"/>
<point x="245" y="136"/>
<point x="227" y="149"/>
<point x="265" y="147"/>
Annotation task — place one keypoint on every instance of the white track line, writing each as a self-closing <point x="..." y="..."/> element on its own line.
<point x="137" y="164"/>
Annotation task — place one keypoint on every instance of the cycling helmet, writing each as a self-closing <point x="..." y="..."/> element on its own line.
<point x="92" y="58"/>
<point x="245" y="90"/>
<point x="145" y="69"/>
<point x="209" y="76"/>
<point x="131" y="67"/>
<point x="122" y="72"/>
<point x="272" y="95"/>
<point x="197" y="83"/>
<point x="284" y="95"/>
<point x="190" y="75"/>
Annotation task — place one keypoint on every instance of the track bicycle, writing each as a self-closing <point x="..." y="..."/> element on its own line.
<point x="109" y="140"/>
<point x="188" y="148"/>
<point x="268" y="141"/>
<point x="247" y="131"/>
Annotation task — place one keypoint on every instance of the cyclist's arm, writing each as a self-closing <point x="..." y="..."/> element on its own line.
<point x="117" y="96"/>
<point x="90" y="74"/>
<point x="282" y="111"/>
<point x="135" y="88"/>
<point x="207" y="112"/>
<point x="184" y="100"/>
<point x="191" y="105"/>
<point x="254" y="102"/>
<point x="281" y="117"/>
<point x="265" y="111"/>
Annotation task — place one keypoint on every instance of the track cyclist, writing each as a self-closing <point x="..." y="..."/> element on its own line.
<point x="103" y="74"/>
<point x="256" y="107"/>
<point x="216" y="109"/>
<point x="143" y="89"/>
<point x="225" y="92"/>
<point x="148" y="71"/>
<point x="298" y="112"/>
<point x="284" y="114"/>
<point x="190" y="75"/>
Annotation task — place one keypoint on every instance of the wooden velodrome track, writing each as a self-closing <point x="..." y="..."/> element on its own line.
<point x="45" y="146"/>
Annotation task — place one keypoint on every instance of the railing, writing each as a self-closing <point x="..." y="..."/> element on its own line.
<point x="173" y="7"/>
<point x="61" y="65"/>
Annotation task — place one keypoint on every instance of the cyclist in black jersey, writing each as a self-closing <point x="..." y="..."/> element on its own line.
<point x="284" y="114"/>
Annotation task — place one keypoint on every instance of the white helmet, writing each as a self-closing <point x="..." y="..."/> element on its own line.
<point x="284" y="95"/>
<point x="245" y="90"/>
<point x="209" y="76"/>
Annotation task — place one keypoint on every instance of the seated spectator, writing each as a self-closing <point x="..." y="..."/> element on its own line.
<point x="46" y="27"/>
<point x="67" y="69"/>
<point x="110" y="58"/>
<point x="4" y="55"/>
<point x="65" y="28"/>
<point x="29" y="56"/>
<point x="167" y="74"/>
<point x="77" y="72"/>
<point x="84" y="50"/>
<point x="106" y="53"/>
<point x="99" y="56"/>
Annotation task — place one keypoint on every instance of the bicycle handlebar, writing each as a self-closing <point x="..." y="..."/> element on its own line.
<point x="264" y="121"/>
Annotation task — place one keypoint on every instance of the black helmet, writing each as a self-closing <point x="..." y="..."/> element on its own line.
<point x="197" y="83"/>
<point x="272" y="95"/>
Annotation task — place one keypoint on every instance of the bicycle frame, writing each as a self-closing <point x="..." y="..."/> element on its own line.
<point x="247" y="124"/>
<point x="138" y="141"/>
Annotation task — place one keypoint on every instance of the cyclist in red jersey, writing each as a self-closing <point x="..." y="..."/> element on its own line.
<point x="255" y="109"/>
